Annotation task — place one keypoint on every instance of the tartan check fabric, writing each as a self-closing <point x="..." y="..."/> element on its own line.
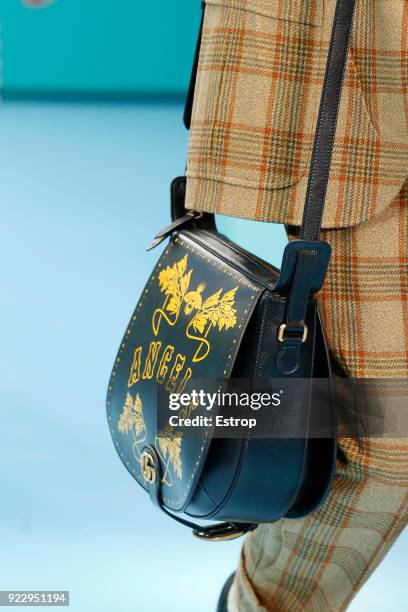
<point x="320" y="562"/>
<point x="259" y="83"/>
<point x="258" y="88"/>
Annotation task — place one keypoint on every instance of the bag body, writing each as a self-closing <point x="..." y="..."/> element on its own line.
<point x="238" y="480"/>
<point x="212" y="313"/>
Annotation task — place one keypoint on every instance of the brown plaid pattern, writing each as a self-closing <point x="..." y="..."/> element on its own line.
<point x="259" y="82"/>
<point x="319" y="563"/>
<point x="364" y="300"/>
<point x="258" y="87"/>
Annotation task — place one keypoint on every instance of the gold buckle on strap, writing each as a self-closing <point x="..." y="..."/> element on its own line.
<point x="220" y="532"/>
<point x="281" y="332"/>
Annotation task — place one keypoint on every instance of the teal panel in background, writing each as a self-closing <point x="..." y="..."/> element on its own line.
<point x="99" y="47"/>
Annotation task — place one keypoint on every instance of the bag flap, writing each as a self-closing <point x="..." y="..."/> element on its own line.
<point x="188" y="325"/>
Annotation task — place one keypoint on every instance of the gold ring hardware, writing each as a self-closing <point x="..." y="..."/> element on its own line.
<point x="148" y="467"/>
<point x="197" y="214"/>
<point x="281" y="333"/>
<point x="222" y="536"/>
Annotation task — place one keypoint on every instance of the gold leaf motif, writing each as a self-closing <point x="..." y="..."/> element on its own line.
<point x="184" y="282"/>
<point x="170" y="447"/>
<point x="199" y="322"/>
<point x="216" y="311"/>
<point x="131" y="416"/>
<point x="174" y="304"/>
<point x="182" y="265"/>
<point x="174" y="283"/>
<point x="227" y="314"/>
<point x="213" y="300"/>
<point x="168" y="280"/>
<point x="193" y="299"/>
<point x="219" y="310"/>
<point x="229" y="296"/>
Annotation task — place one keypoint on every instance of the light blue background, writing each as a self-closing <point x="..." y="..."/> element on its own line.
<point x="83" y="189"/>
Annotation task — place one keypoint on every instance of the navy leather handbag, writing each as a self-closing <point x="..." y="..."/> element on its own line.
<point x="212" y="311"/>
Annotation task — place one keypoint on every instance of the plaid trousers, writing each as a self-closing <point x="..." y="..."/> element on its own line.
<point x="318" y="563"/>
<point x="259" y="82"/>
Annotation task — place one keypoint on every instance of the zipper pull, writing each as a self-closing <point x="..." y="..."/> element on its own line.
<point x="168" y="231"/>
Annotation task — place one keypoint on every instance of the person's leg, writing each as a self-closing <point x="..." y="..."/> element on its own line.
<point x="320" y="562"/>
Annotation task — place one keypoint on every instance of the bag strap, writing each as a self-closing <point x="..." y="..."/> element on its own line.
<point x="327" y="121"/>
<point x="305" y="260"/>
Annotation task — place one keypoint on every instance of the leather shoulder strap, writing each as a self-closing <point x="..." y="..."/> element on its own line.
<point x="327" y="121"/>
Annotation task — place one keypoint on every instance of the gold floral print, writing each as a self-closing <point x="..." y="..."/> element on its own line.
<point x="132" y="415"/>
<point x="131" y="420"/>
<point x="168" y="445"/>
<point x="217" y="311"/>
<point x="174" y="282"/>
<point x="193" y="299"/>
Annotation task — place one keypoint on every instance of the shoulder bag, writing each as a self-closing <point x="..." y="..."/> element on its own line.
<point x="211" y="310"/>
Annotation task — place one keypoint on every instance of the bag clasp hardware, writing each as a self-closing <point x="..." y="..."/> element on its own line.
<point x="148" y="468"/>
<point x="191" y="215"/>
